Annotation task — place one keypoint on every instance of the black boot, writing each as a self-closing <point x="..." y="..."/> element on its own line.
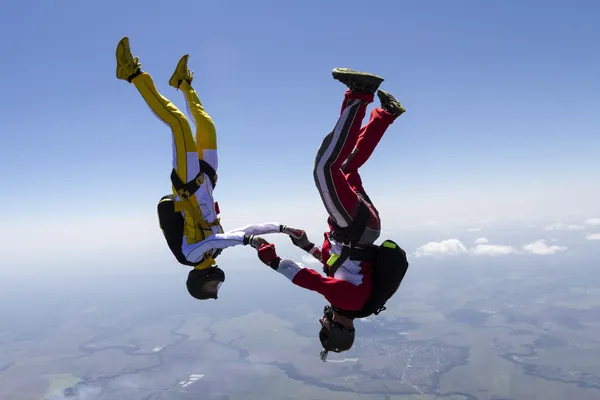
<point x="359" y="82"/>
<point x="390" y="104"/>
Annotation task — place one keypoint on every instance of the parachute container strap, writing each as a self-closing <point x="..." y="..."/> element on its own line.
<point x="208" y="170"/>
<point x="350" y="236"/>
<point x="366" y="253"/>
<point x="187" y="189"/>
<point x="338" y="261"/>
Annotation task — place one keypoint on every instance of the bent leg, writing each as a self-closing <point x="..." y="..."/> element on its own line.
<point x="185" y="159"/>
<point x="369" y="137"/>
<point x="206" y="134"/>
<point x="341" y="202"/>
<point x="185" y="156"/>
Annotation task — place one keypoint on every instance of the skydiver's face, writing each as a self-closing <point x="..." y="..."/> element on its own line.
<point x="212" y="287"/>
<point x="324" y="321"/>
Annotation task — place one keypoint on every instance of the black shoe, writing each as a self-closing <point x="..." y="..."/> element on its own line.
<point x="390" y="104"/>
<point x="359" y="82"/>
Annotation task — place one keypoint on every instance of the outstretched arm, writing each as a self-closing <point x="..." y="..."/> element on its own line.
<point x="237" y="237"/>
<point x="298" y="236"/>
<point x="300" y="239"/>
<point x="341" y="293"/>
<point x="259" y="229"/>
<point x="196" y="251"/>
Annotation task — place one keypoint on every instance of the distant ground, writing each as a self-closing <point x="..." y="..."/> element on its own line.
<point x="503" y="337"/>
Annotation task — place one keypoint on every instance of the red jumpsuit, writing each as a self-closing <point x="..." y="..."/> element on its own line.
<point x="341" y="190"/>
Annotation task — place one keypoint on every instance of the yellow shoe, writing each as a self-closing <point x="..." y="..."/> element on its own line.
<point x="181" y="73"/>
<point x="128" y="67"/>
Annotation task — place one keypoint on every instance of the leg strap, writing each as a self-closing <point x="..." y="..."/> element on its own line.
<point x="350" y="237"/>
<point x="188" y="189"/>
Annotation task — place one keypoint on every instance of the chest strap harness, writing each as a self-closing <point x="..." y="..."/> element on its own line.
<point x="186" y="190"/>
<point x="349" y="236"/>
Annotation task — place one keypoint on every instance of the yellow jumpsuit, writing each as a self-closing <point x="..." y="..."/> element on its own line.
<point x="186" y="152"/>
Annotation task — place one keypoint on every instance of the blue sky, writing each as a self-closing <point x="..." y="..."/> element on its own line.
<point x="502" y="113"/>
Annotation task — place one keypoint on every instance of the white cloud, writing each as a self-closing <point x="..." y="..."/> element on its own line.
<point x="593" y="236"/>
<point x="561" y="226"/>
<point x="539" y="247"/>
<point x="445" y="247"/>
<point x="308" y="259"/>
<point x="483" y="248"/>
<point x="473" y="229"/>
<point x="493" y="250"/>
<point x="455" y="247"/>
<point x="593" y="221"/>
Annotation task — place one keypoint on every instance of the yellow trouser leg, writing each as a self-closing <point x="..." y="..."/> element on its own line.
<point x="206" y="134"/>
<point x="183" y="142"/>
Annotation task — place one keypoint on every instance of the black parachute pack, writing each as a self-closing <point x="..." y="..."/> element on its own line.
<point x="389" y="268"/>
<point x="389" y="263"/>
<point x="171" y="221"/>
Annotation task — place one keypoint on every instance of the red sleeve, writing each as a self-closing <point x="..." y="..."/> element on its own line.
<point x="341" y="294"/>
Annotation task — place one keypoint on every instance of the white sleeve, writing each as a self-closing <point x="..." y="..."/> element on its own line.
<point x="259" y="229"/>
<point x="216" y="241"/>
<point x="289" y="268"/>
<point x="229" y="239"/>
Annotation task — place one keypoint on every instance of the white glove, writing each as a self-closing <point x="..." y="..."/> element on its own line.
<point x="298" y="237"/>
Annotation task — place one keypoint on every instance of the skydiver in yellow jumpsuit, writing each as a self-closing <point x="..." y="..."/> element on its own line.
<point x="189" y="217"/>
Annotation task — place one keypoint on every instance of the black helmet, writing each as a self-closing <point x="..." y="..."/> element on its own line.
<point x="337" y="338"/>
<point x="199" y="278"/>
